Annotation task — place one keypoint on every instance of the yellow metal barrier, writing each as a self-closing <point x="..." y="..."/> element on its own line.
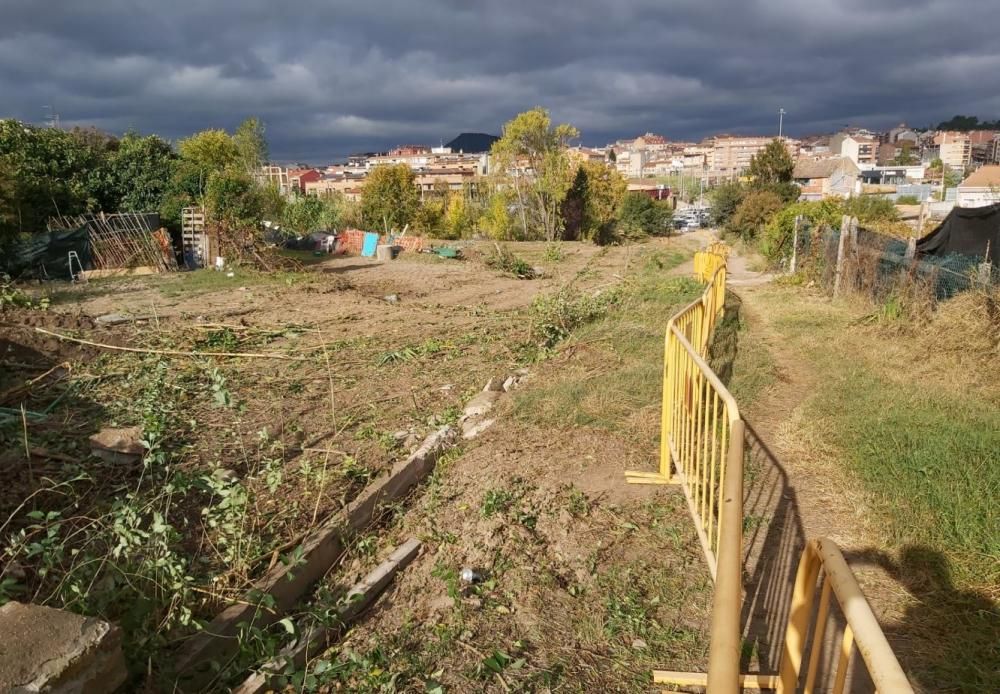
<point x="702" y="438"/>
<point x="822" y="559"/>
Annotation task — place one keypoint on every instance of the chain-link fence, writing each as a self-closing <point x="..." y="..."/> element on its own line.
<point x="880" y="266"/>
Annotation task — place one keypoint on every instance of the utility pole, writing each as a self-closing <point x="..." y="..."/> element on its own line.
<point x="781" y="118"/>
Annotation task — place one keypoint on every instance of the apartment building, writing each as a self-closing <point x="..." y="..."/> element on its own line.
<point x="731" y="154"/>
<point x="276" y="176"/>
<point x="954" y="149"/>
<point x="861" y="149"/>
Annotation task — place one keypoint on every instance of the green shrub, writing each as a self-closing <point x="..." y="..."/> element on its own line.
<point x="871" y="208"/>
<point x="907" y="200"/>
<point x="725" y="199"/>
<point x="754" y="212"/>
<point x="775" y="241"/>
<point x="640" y="216"/>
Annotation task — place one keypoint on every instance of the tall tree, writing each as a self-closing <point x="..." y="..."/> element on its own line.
<point x="773" y="164"/>
<point x="138" y="173"/>
<point x="390" y="199"/>
<point x="251" y="146"/>
<point x="209" y="151"/>
<point x="530" y="158"/>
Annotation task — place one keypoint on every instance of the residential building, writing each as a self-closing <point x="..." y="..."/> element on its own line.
<point x="297" y="179"/>
<point x="346" y="183"/>
<point x="893" y="175"/>
<point x="902" y="132"/>
<point x="954" y="149"/>
<point x="980" y="189"/>
<point x="581" y="154"/>
<point x="649" y="141"/>
<point x="861" y="149"/>
<point x="823" y="178"/>
<point x="731" y="154"/>
<point x="274" y="175"/>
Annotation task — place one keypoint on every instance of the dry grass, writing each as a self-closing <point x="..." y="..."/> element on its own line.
<point x="966" y="328"/>
<point x="891" y="430"/>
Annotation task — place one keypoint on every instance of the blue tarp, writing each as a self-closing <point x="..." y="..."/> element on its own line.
<point x="369" y="245"/>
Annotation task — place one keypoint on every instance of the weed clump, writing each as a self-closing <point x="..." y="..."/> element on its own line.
<point x="555" y="316"/>
<point x="12" y="297"/>
<point x="503" y="259"/>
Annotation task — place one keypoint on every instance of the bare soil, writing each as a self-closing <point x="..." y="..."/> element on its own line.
<point x="586" y="581"/>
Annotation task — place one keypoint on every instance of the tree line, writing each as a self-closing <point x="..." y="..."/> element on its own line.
<point x="535" y="189"/>
<point x="761" y="208"/>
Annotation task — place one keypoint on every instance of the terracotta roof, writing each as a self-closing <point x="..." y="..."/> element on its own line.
<point x="983" y="177"/>
<point x="821" y="168"/>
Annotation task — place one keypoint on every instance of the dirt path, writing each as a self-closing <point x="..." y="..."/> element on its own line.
<point x="797" y="487"/>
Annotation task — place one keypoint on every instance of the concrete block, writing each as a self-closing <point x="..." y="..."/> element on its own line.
<point x="473" y="427"/>
<point x="482" y="403"/>
<point x="48" y="650"/>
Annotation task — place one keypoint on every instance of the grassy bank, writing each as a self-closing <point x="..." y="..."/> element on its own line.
<point x="918" y="431"/>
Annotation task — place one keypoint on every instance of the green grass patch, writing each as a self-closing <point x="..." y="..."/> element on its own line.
<point x="623" y="337"/>
<point x="931" y="464"/>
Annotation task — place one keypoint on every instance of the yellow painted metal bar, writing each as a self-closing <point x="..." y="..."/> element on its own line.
<point x="724" y="649"/>
<point x="818" y="629"/>
<point x="846" y="648"/>
<point x="700" y="679"/>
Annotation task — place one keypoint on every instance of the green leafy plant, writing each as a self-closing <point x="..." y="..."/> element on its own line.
<point x="504" y="260"/>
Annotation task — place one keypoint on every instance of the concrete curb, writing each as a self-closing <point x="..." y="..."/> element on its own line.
<point x="320" y="550"/>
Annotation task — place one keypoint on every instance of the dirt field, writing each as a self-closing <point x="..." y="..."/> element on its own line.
<point x="585" y="582"/>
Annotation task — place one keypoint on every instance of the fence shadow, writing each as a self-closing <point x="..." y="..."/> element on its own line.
<point x="948" y="639"/>
<point x="773" y="540"/>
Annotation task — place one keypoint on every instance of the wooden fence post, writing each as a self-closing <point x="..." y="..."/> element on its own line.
<point x="845" y="224"/>
<point x="795" y="243"/>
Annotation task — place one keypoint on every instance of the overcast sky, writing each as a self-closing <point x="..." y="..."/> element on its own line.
<point x="331" y="77"/>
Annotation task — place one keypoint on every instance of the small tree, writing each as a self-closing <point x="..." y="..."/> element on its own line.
<point x="640" y="216"/>
<point x="530" y="158"/>
<point x="233" y="199"/>
<point x="459" y="218"/>
<point x="754" y="212"/>
<point x="209" y="151"/>
<point x="390" y="199"/>
<point x="773" y="164"/>
<point x="251" y="146"/>
<point x="138" y="173"/>
<point x="726" y="198"/>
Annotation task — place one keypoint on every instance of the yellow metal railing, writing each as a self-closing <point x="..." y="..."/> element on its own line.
<point x="823" y="560"/>
<point x="701" y="448"/>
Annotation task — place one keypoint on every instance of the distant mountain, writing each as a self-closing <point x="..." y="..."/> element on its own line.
<point x="472" y="143"/>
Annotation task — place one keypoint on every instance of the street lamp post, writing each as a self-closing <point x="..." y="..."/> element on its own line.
<point x="781" y="118"/>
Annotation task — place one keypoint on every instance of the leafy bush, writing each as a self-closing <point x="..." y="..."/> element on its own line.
<point x="907" y="200"/>
<point x="725" y="199"/>
<point x="871" y="208"/>
<point x="11" y="296"/>
<point x="639" y="216"/>
<point x="753" y="213"/>
<point x="775" y="240"/>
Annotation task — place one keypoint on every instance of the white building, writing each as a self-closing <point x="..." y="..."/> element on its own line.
<point x="980" y="189"/>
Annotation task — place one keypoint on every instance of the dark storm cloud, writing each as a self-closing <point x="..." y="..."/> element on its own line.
<point x="331" y="77"/>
